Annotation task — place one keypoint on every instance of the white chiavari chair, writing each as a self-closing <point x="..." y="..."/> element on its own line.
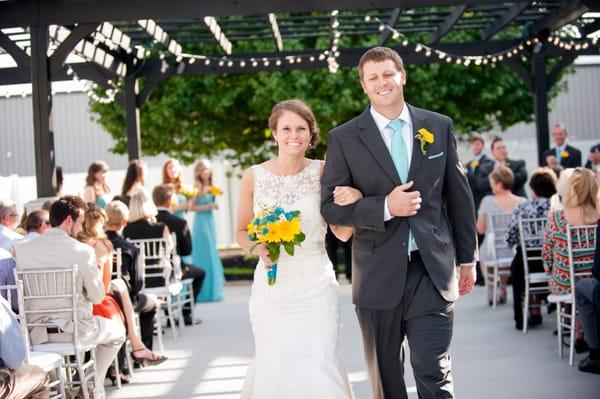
<point x="531" y="235"/>
<point x="581" y="241"/>
<point x="502" y="254"/>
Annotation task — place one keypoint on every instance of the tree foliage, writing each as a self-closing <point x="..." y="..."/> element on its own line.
<point x="187" y="117"/>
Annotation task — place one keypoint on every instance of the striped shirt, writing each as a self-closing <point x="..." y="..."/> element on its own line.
<point x="555" y="253"/>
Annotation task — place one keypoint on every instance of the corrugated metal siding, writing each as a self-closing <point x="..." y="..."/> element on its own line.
<point x="16" y="136"/>
<point x="578" y="107"/>
<point x="78" y="139"/>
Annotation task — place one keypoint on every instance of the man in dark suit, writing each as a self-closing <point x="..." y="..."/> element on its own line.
<point x="161" y="195"/>
<point x="406" y="255"/>
<point x="500" y="154"/>
<point x="562" y="153"/>
<point x="132" y="269"/>
<point x="476" y="146"/>
<point x="593" y="161"/>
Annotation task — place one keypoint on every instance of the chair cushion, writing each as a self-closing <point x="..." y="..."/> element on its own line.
<point x="538" y="277"/>
<point x="45" y="360"/>
<point x="62" y="348"/>
<point x="555" y="298"/>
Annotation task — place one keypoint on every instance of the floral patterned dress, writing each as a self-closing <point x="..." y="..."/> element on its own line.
<point x="556" y="255"/>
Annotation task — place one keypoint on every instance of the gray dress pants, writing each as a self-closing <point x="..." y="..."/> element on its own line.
<point x="426" y="320"/>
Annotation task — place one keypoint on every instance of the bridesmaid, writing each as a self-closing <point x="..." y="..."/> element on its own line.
<point x="134" y="181"/>
<point x="96" y="190"/>
<point x="204" y="246"/>
<point x="171" y="173"/>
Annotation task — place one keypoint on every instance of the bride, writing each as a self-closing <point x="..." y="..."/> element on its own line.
<point x="296" y="321"/>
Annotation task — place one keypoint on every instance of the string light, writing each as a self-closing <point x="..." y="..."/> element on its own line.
<point x="488" y="59"/>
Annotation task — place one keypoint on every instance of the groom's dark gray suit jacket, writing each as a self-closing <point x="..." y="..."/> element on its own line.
<point x="444" y="227"/>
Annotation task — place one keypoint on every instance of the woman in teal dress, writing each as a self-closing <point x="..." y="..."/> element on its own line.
<point x="204" y="238"/>
<point x="171" y="173"/>
<point x="96" y="190"/>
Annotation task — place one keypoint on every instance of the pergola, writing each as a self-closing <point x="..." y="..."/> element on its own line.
<point x="124" y="43"/>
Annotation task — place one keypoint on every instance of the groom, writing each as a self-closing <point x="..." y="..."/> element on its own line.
<point x="414" y="225"/>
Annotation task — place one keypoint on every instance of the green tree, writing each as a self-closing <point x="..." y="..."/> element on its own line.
<point x="187" y="117"/>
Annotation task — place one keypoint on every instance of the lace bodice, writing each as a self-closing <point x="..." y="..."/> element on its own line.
<point x="301" y="191"/>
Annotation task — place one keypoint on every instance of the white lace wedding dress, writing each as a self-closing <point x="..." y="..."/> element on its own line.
<point x="296" y="321"/>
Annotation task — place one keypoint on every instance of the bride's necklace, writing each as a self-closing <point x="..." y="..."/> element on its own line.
<point x="283" y="171"/>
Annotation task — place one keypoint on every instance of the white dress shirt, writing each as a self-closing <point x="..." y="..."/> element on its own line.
<point x="7" y="236"/>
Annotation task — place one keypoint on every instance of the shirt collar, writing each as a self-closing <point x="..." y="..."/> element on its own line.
<point x="562" y="147"/>
<point x="163" y="209"/>
<point x="382" y="122"/>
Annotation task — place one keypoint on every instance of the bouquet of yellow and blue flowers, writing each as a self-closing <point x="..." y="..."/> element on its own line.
<point x="275" y="227"/>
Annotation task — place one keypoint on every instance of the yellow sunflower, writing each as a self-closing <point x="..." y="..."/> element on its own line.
<point x="273" y="235"/>
<point x="289" y="229"/>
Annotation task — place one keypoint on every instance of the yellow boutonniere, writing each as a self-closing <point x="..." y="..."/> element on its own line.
<point x="214" y="190"/>
<point x="474" y="164"/>
<point x="564" y="154"/>
<point x="425" y="137"/>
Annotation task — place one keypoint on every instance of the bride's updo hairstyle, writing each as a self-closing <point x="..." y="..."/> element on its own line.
<point x="299" y="108"/>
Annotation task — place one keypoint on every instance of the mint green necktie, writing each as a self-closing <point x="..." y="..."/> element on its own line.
<point x="400" y="158"/>
<point x="399" y="152"/>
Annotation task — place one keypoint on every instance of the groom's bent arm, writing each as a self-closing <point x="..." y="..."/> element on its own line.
<point x="367" y="213"/>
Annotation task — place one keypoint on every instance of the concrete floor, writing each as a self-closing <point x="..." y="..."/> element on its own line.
<point x="490" y="358"/>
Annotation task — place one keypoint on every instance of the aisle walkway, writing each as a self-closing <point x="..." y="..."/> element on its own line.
<point x="490" y="358"/>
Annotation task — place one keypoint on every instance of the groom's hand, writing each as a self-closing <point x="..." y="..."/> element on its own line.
<point x="466" y="279"/>
<point x="402" y="202"/>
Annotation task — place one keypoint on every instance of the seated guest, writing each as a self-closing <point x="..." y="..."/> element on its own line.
<point x="92" y="233"/>
<point x="142" y="225"/>
<point x="579" y="208"/>
<point x="58" y="248"/>
<point x="7" y="277"/>
<point x="17" y="380"/>
<point x="161" y="196"/>
<point x="35" y="223"/>
<point x="96" y="190"/>
<point x="593" y="161"/>
<point x="587" y="295"/>
<point x="9" y="219"/>
<point x="562" y="154"/>
<point x="132" y="269"/>
<point x="501" y="201"/>
<point x="562" y="185"/>
<point x="543" y="185"/>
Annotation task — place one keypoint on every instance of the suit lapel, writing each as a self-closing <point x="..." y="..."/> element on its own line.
<point x="418" y="122"/>
<point x="371" y="138"/>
